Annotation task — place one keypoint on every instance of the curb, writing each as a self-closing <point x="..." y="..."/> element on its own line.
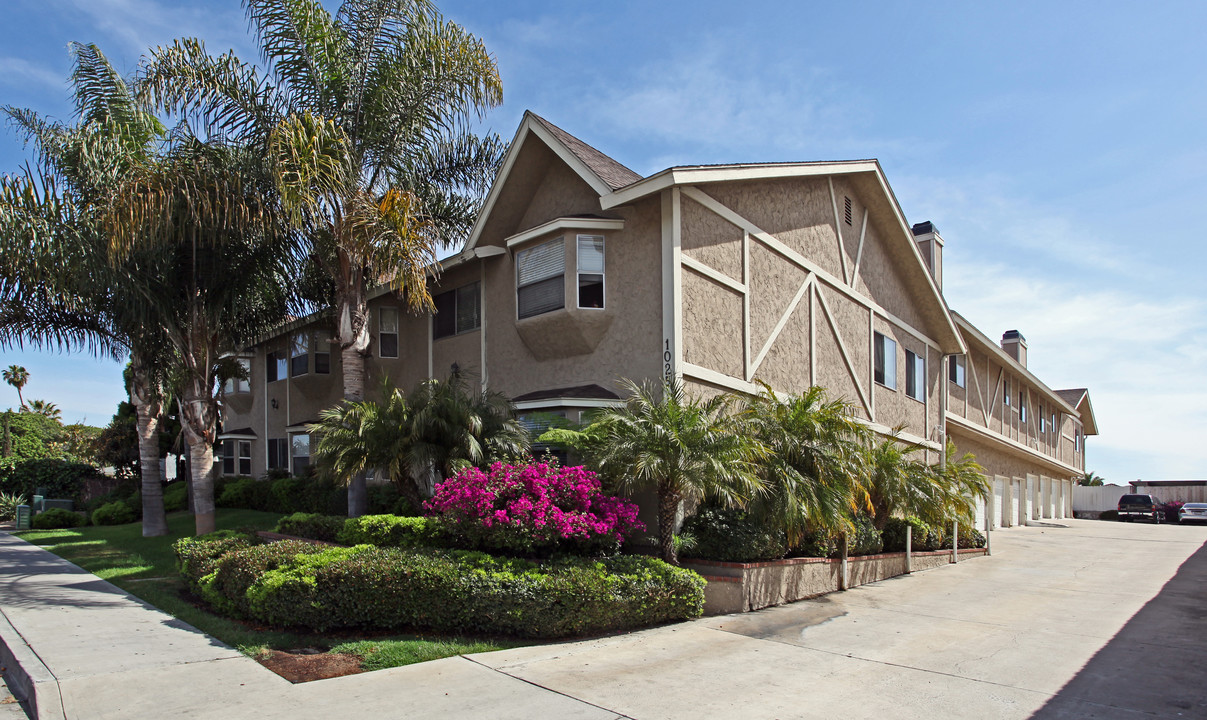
<point x="27" y="676"/>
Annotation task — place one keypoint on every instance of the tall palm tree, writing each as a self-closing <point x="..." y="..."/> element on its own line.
<point x="209" y="209"/>
<point x="17" y="376"/>
<point x="365" y="116"/>
<point x="811" y="472"/>
<point x="683" y="448"/>
<point x="46" y="408"/>
<point x="58" y="287"/>
<point x="439" y="429"/>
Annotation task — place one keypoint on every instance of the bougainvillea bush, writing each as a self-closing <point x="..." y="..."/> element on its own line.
<point x="537" y="508"/>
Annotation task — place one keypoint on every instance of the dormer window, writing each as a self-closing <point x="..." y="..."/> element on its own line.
<point x="541" y="278"/>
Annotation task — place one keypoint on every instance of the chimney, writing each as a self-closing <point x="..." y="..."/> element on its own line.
<point x="930" y="244"/>
<point x="1015" y="346"/>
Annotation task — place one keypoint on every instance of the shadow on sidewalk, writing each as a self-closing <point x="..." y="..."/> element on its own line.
<point x="1154" y="666"/>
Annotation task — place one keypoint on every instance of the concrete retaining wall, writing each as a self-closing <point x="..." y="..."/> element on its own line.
<point x="742" y="587"/>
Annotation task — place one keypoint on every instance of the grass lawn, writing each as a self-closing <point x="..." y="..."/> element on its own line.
<point x="146" y="568"/>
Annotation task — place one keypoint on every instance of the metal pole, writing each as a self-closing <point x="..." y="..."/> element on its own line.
<point x="909" y="549"/>
<point x="846" y="578"/>
<point x="955" y="541"/>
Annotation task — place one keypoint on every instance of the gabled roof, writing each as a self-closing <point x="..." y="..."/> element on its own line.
<point x="593" y="392"/>
<point x="604" y="167"/>
<point x="601" y="172"/>
<point x="1080" y="399"/>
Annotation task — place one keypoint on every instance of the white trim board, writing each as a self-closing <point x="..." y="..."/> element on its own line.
<point x="562" y="224"/>
<point x="567" y="403"/>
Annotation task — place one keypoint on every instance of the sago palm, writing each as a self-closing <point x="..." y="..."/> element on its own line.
<point x="364" y="116"/>
<point x="897" y="483"/>
<point x="58" y="287"/>
<point x="682" y="448"/>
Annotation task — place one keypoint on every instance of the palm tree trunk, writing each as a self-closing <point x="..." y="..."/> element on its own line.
<point x="148" y="407"/>
<point x="668" y="509"/>
<point x="200" y="421"/>
<point x="353" y="313"/>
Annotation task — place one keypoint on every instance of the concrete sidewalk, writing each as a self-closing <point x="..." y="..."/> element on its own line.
<point x="1045" y="626"/>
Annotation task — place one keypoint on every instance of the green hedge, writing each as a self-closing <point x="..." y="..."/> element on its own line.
<point x="731" y="536"/>
<point x="57" y="518"/>
<point x="59" y="478"/>
<point x="114" y="513"/>
<point x="311" y="525"/>
<point x="197" y="556"/>
<point x="293" y="584"/>
<point x="176" y="496"/>
<point x="307" y="495"/>
<point x="393" y="531"/>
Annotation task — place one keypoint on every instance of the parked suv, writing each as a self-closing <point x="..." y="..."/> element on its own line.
<point x="1140" y="507"/>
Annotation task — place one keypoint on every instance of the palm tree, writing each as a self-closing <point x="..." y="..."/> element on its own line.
<point x="58" y="287"/>
<point x="46" y="408"/>
<point x="684" y="449"/>
<point x="209" y="209"/>
<point x="17" y="376"/>
<point x="1091" y="479"/>
<point x="811" y="472"/>
<point x="439" y="429"/>
<point x="364" y="116"/>
<point x="897" y="484"/>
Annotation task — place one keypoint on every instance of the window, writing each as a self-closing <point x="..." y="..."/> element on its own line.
<point x="1022" y="407"/>
<point x="540" y="278"/>
<point x="245" y="457"/>
<point x="590" y="271"/>
<point x="1052" y="423"/>
<point x="1077" y="440"/>
<point x="457" y="311"/>
<point x="1006" y="391"/>
<point x="278" y="454"/>
<point x="955" y="371"/>
<point x="301" y="453"/>
<point x="277" y="366"/>
<point x="239" y="384"/>
<point x="228" y="457"/>
<point x="322" y="360"/>
<point x="299" y="356"/>
<point x="1043" y="423"/>
<point x="387" y="332"/>
<point x="915" y="376"/>
<point x="886" y="361"/>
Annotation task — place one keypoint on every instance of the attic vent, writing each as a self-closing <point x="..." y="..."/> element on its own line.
<point x="847" y="205"/>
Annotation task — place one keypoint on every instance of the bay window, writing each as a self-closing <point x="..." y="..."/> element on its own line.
<point x="590" y="271"/>
<point x="541" y="278"/>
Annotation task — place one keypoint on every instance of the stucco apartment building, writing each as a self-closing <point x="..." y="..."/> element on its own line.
<point x="580" y="272"/>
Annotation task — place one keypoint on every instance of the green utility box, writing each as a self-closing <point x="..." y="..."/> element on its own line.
<point x="24" y="513"/>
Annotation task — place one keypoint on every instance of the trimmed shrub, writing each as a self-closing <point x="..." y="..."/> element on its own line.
<point x="176" y="496"/>
<point x="114" y="513"/>
<point x="196" y="556"/>
<point x="57" y="518"/>
<point x="311" y="525"/>
<point x="970" y="537"/>
<point x="247" y="493"/>
<point x="816" y="544"/>
<point x="865" y="539"/>
<point x="894" y="534"/>
<point x="226" y="585"/>
<point x="456" y="591"/>
<point x="392" y="531"/>
<point x="732" y="536"/>
<point x="388" y="500"/>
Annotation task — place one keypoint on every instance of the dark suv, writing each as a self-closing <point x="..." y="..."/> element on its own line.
<point x="1140" y="507"/>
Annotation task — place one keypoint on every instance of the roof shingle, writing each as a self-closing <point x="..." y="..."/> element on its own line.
<point x="607" y="169"/>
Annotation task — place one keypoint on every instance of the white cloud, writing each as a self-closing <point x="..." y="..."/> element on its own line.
<point x="19" y="72"/>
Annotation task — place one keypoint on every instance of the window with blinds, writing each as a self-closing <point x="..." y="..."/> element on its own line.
<point x="299" y="358"/>
<point x="540" y="278"/>
<point x="590" y="271"/>
<point x="387" y="332"/>
<point x="457" y="311"/>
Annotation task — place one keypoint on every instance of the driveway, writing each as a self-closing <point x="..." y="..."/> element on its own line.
<point x="1096" y="620"/>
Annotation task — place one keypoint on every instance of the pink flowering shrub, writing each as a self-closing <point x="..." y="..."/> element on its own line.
<point x="533" y="509"/>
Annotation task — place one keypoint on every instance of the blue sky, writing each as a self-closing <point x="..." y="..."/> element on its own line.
<point x="1061" y="148"/>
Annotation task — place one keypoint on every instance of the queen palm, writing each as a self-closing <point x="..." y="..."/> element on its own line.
<point x="364" y="116"/>
<point x="58" y="287"/>
<point x="682" y="448"/>
<point x="207" y="211"/>
<point x="812" y="469"/>
<point x="17" y="376"/>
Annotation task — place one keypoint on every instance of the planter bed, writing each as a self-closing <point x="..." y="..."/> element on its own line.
<point x="742" y="587"/>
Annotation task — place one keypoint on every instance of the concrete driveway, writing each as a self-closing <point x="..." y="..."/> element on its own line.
<point x="1096" y="620"/>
